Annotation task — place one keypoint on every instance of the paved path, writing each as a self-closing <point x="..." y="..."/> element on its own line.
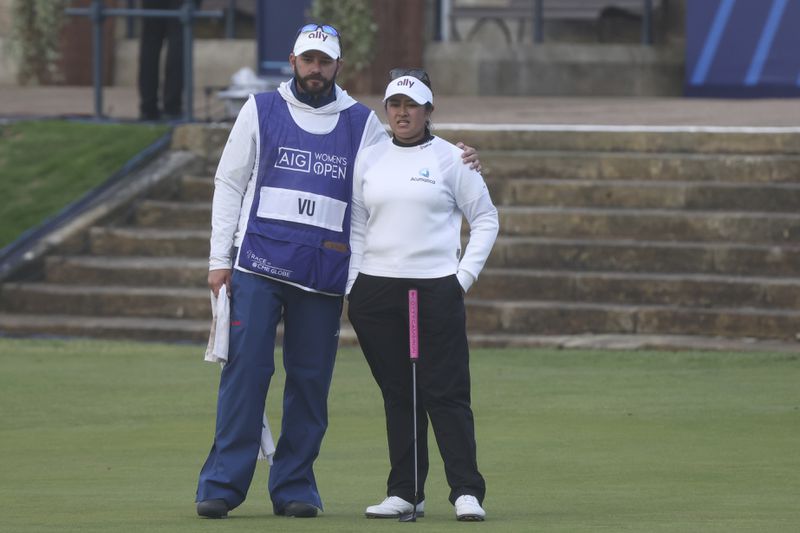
<point x="122" y="103"/>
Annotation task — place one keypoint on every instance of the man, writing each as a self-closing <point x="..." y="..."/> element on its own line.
<point x="154" y="32"/>
<point x="279" y="246"/>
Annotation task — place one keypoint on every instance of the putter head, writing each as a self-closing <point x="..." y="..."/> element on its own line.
<point x="410" y="517"/>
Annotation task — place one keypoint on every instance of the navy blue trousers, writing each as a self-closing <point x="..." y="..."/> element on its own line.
<point x="311" y="335"/>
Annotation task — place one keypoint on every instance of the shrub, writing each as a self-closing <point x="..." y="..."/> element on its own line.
<point x="353" y="18"/>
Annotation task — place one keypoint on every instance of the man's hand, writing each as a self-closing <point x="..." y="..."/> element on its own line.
<point x="470" y="156"/>
<point x="218" y="278"/>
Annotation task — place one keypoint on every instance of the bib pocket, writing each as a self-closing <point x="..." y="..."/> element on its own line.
<point x="293" y="255"/>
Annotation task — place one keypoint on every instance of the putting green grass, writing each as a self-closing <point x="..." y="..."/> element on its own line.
<point x="110" y="436"/>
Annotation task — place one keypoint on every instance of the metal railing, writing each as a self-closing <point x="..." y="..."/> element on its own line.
<point x="444" y="8"/>
<point x="187" y="14"/>
<point x="230" y="19"/>
<point x="647" y="21"/>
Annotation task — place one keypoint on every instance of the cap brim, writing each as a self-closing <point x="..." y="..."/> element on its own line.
<point x="327" y="44"/>
<point x="417" y="98"/>
<point x="329" y="51"/>
<point x="411" y="87"/>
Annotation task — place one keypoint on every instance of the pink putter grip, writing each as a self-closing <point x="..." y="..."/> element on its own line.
<point x="413" y="325"/>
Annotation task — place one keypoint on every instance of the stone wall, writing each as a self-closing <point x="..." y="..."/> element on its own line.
<point x="8" y="71"/>
<point x="555" y="70"/>
<point x="5" y="17"/>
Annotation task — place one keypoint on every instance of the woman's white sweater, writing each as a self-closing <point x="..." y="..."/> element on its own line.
<point x="408" y="204"/>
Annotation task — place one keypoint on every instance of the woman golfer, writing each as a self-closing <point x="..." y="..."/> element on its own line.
<point x="409" y="196"/>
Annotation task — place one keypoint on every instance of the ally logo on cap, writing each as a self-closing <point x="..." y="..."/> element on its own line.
<point x="407" y="85"/>
<point x="319" y="34"/>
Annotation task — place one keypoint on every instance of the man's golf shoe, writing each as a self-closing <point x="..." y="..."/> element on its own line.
<point x="213" y="508"/>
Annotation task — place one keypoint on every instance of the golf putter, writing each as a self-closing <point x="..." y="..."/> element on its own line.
<point x="413" y="353"/>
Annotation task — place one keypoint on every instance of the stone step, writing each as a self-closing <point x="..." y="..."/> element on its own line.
<point x="685" y="290"/>
<point x="645" y="256"/>
<point x="610" y="341"/>
<point x="766" y="197"/>
<point x="106" y="300"/>
<point x="484" y="316"/>
<point x="651" y="224"/>
<point x="106" y="327"/>
<point x="147" y="271"/>
<point x="641" y="166"/>
<point x="560" y="318"/>
<point x="177" y="215"/>
<point x="521" y="252"/>
<point x="693" y="290"/>
<point x="626" y="139"/>
<point x="125" y="328"/>
<point x="196" y="189"/>
<point x="151" y="242"/>
<point x="196" y="332"/>
<point x="184" y="188"/>
<point x="210" y="139"/>
<point x="607" y="193"/>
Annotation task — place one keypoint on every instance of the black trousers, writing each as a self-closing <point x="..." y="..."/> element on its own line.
<point x="378" y="310"/>
<point x="154" y="32"/>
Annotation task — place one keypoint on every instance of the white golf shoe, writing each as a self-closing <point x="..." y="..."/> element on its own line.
<point x="468" y="509"/>
<point x="394" y="507"/>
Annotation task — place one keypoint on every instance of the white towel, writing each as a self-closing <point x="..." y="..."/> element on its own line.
<point x="217" y="352"/>
<point x="267" y="448"/>
<point x="217" y="349"/>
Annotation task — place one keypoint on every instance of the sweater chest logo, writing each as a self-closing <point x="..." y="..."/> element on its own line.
<point x="318" y="163"/>
<point x="424" y="177"/>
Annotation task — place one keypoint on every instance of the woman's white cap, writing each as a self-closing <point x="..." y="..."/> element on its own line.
<point x="411" y="87"/>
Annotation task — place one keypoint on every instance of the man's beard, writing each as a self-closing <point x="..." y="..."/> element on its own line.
<point x="314" y="92"/>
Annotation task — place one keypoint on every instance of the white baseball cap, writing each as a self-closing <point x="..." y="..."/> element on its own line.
<point x="411" y="87"/>
<point x="320" y="37"/>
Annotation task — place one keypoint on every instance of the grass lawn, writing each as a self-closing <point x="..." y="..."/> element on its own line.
<point x="107" y="437"/>
<point x="45" y="165"/>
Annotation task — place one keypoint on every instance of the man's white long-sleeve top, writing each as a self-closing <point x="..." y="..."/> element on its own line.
<point x="235" y="179"/>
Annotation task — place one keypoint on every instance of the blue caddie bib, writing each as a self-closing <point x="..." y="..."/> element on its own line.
<point x="298" y="230"/>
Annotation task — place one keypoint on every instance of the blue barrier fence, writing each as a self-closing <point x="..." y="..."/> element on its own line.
<point x="743" y="48"/>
